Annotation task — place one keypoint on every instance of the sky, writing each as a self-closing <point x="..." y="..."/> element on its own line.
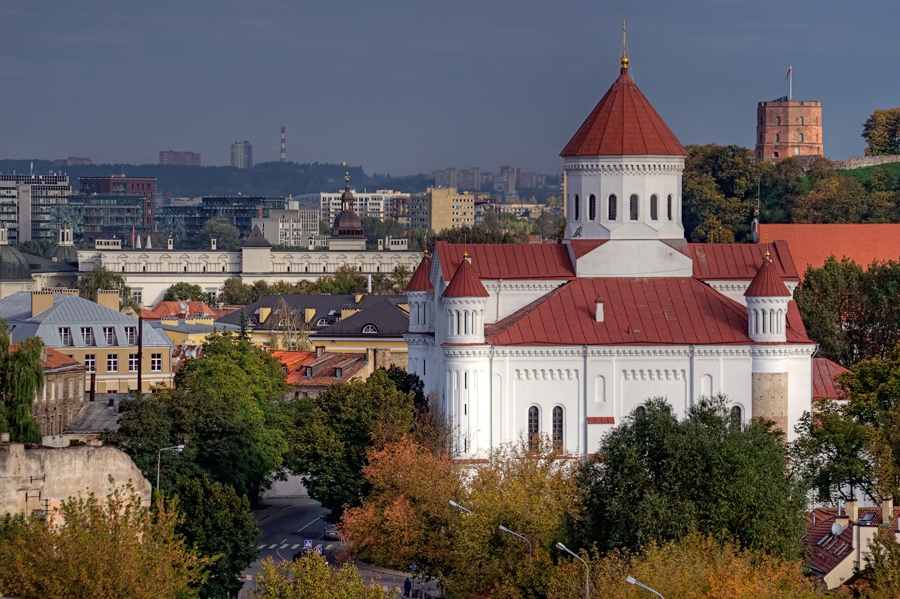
<point x="410" y="86"/>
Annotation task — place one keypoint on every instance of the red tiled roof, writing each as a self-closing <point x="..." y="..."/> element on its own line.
<point x="420" y="280"/>
<point x="827" y="550"/>
<point x="291" y="360"/>
<point x="824" y="373"/>
<point x="325" y="372"/>
<point x="741" y="261"/>
<point x="167" y="309"/>
<point x="652" y="311"/>
<point x="624" y="123"/>
<point x="465" y="283"/>
<point x="507" y="260"/>
<point x="811" y="245"/>
<point x="767" y="283"/>
<point x="56" y="359"/>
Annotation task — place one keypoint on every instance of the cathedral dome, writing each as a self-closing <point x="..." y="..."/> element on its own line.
<point x="63" y="254"/>
<point x="13" y="266"/>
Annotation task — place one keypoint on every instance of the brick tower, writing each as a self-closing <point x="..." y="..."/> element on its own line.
<point x="788" y="128"/>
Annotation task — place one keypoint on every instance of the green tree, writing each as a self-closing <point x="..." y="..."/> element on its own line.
<point x="235" y="293"/>
<point x="347" y="280"/>
<point x="226" y="410"/>
<point x="226" y="235"/>
<point x="882" y="132"/>
<point x="882" y="569"/>
<point x="313" y="577"/>
<point x="185" y="291"/>
<point x="705" y="473"/>
<point x="36" y="247"/>
<point x="103" y="279"/>
<point x="329" y="436"/>
<point x="21" y="377"/>
<point x="99" y="549"/>
<point x="218" y="525"/>
<point x="830" y="453"/>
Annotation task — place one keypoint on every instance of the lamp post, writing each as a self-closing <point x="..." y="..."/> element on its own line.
<point x="178" y="448"/>
<point x="631" y="580"/>
<point x="587" y="580"/>
<point x="515" y="534"/>
<point x="459" y="507"/>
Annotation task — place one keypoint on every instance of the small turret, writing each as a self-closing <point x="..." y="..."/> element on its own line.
<point x="465" y="300"/>
<point x="767" y="304"/>
<point x="418" y="293"/>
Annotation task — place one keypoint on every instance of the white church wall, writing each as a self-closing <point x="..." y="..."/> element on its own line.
<point x="508" y="296"/>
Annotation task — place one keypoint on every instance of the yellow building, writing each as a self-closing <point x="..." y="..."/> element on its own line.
<point x="95" y="334"/>
<point x="449" y="209"/>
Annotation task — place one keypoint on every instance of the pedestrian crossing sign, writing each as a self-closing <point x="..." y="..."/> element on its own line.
<point x="318" y="549"/>
<point x="307" y="544"/>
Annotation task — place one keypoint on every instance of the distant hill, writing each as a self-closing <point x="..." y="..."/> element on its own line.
<point x="266" y="178"/>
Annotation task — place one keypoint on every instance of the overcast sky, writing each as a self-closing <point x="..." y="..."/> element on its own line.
<point x="408" y="86"/>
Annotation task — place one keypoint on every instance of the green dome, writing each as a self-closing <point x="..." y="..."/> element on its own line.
<point x="13" y="266"/>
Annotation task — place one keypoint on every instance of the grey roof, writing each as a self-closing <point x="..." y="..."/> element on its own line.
<point x="377" y="310"/>
<point x="74" y="313"/>
<point x="13" y="266"/>
<point x="256" y="239"/>
<point x="64" y="254"/>
<point x="95" y="417"/>
<point x="327" y="307"/>
<point x="39" y="264"/>
<point x="183" y="327"/>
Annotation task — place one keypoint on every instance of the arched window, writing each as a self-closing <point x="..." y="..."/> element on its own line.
<point x="633" y="207"/>
<point x="777" y="137"/>
<point x="801" y="138"/>
<point x="557" y="429"/>
<point x="654" y="200"/>
<point x="669" y="207"/>
<point x="577" y="208"/>
<point x="592" y="207"/>
<point x="370" y="329"/>
<point x="322" y="322"/>
<point x="534" y="429"/>
<point x="736" y="416"/>
<point x="612" y="208"/>
<point x="640" y="411"/>
<point x="778" y="121"/>
<point x="801" y="120"/>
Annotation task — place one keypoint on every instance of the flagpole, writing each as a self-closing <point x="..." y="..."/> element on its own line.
<point x="791" y="84"/>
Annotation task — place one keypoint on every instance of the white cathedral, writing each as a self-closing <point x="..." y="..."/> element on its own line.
<point x="566" y="340"/>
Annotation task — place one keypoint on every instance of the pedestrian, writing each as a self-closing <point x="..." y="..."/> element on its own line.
<point x="407" y="587"/>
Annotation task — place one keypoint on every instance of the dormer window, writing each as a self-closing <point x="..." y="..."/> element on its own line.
<point x="338" y="373"/>
<point x="369" y="329"/>
<point x="308" y="371"/>
<point x="322" y="322"/>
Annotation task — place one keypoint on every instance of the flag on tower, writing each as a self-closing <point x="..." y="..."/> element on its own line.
<point x="789" y="72"/>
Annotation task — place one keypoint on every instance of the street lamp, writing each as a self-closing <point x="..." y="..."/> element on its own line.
<point x="515" y="534"/>
<point x="587" y="580"/>
<point x="631" y="580"/>
<point x="178" y="448"/>
<point x="459" y="507"/>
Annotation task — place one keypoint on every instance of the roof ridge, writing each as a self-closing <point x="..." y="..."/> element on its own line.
<point x="504" y="324"/>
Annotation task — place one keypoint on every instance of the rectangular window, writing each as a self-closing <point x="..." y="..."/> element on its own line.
<point x="131" y="335"/>
<point x="112" y="363"/>
<point x="65" y="335"/>
<point x="132" y="362"/>
<point x="137" y="295"/>
<point x="156" y="362"/>
<point x="87" y="335"/>
<point x="109" y="334"/>
<point x="90" y="362"/>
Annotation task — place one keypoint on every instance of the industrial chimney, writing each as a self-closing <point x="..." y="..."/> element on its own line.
<point x="283" y="145"/>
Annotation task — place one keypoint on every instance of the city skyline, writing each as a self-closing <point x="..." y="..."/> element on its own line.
<point x="408" y="88"/>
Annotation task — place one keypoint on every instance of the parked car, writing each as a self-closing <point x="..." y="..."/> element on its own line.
<point x="332" y="533"/>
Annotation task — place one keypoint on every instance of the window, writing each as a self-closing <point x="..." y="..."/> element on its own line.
<point x="308" y="371"/>
<point x="131" y="335"/>
<point x="633" y="207"/>
<point x="322" y="322"/>
<point x="654" y="200"/>
<point x="109" y="334"/>
<point x="777" y="137"/>
<point x="90" y="362"/>
<point x="611" y="208"/>
<point x="801" y="122"/>
<point x="112" y="363"/>
<point x="777" y="122"/>
<point x="87" y="335"/>
<point x="801" y="138"/>
<point x="640" y="411"/>
<point x="592" y="207"/>
<point x="156" y="362"/>
<point x="65" y="335"/>
<point x="736" y="416"/>
<point x="577" y="208"/>
<point x="669" y="207"/>
<point x="132" y="362"/>
<point x="370" y="329"/>
<point x="533" y="428"/>
<point x="338" y="373"/>
<point x="557" y="429"/>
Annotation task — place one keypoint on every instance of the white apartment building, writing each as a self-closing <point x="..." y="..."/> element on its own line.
<point x="289" y="227"/>
<point x="377" y="204"/>
<point x="241" y="154"/>
<point x="27" y="205"/>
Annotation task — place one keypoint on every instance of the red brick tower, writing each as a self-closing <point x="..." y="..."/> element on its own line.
<point x="788" y="128"/>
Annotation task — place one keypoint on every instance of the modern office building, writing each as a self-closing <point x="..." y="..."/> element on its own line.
<point x="289" y="227"/>
<point x="374" y="204"/>
<point x="104" y="216"/>
<point x="241" y="154"/>
<point x="28" y="205"/>
<point x="72" y="161"/>
<point x="184" y="221"/>
<point x="120" y="185"/>
<point x="179" y="158"/>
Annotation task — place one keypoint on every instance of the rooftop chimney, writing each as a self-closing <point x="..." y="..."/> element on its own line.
<point x="852" y="508"/>
<point x="887" y="510"/>
<point x="320" y="351"/>
<point x="171" y="244"/>
<point x="108" y="298"/>
<point x="599" y="305"/>
<point x="40" y="301"/>
<point x="213" y="244"/>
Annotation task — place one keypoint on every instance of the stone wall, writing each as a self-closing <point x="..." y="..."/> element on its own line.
<point x="860" y="161"/>
<point x="37" y="478"/>
<point x="770" y="397"/>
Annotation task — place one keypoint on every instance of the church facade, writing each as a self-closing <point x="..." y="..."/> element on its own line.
<point x="567" y="340"/>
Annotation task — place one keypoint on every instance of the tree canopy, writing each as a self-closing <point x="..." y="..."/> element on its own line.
<point x="35" y="247"/>
<point x="103" y="279"/>
<point x="882" y="132"/>
<point x="21" y="377"/>
<point x="226" y="235"/>
<point x="705" y="472"/>
<point x="311" y="576"/>
<point x="184" y="292"/>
